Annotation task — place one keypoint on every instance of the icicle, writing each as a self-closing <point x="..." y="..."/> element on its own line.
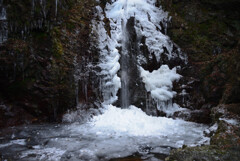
<point x="3" y="23"/>
<point x="22" y="32"/>
<point x="147" y="101"/>
<point x="109" y="57"/>
<point x="3" y="14"/>
<point x="77" y="71"/>
<point x="147" y="20"/>
<point x="14" y="71"/>
<point x="77" y="94"/>
<point x="183" y="94"/>
<point x="56" y="8"/>
<point x="43" y="5"/>
<point x="86" y="91"/>
<point x="33" y="7"/>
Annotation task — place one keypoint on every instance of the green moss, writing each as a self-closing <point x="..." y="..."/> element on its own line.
<point x="208" y="31"/>
<point x="57" y="48"/>
<point x="203" y="153"/>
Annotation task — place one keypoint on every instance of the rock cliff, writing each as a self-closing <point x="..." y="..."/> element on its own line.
<point x="47" y="45"/>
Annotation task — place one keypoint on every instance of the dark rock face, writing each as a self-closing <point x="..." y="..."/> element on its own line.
<point x="199" y="116"/>
<point x="47" y="46"/>
<point x="208" y="32"/>
<point x="13" y="115"/>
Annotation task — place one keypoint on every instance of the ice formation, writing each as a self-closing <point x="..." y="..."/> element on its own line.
<point x="230" y="121"/>
<point x="3" y="23"/>
<point x="150" y="23"/>
<point x="148" y="18"/>
<point x="135" y="122"/>
<point x="114" y="134"/>
<point x="122" y="132"/>
<point x="109" y="58"/>
<point x="52" y="154"/>
<point x="160" y="82"/>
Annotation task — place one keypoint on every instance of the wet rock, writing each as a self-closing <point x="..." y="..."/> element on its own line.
<point x="37" y="66"/>
<point x="225" y="138"/>
<point x="199" y="116"/>
<point x="206" y="153"/>
<point x="202" y="30"/>
<point x="12" y="116"/>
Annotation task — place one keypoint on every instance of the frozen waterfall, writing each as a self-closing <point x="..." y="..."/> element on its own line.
<point x="115" y="51"/>
<point x="119" y="31"/>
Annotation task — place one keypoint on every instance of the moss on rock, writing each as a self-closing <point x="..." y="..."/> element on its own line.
<point x="224" y="143"/>
<point x="37" y="62"/>
<point x="208" y="32"/>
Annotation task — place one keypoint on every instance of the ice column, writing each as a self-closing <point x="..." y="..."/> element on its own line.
<point x="3" y="23"/>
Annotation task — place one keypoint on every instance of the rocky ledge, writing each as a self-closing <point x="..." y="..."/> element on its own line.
<point x="225" y="138"/>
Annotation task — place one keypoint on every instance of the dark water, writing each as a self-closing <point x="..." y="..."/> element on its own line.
<point x="57" y="142"/>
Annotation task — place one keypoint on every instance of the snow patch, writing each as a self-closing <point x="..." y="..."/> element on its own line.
<point x="230" y="121"/>
<point x="79" y="115"/>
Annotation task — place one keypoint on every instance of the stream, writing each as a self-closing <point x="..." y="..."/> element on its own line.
<point x="116" y="133"/>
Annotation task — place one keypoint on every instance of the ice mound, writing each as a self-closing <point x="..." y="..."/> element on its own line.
<point x="135" y="122"/>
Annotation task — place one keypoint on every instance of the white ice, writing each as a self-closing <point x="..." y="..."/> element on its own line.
<point x="113" y="134"/>
<point x="109" y="58"/>
<point x="50" y="154"/>
<point x="17" y="142"/>
<point x="147" y="24"/>
<point x="122" y="132"/>
<point x="230" y="121"/>
<point x="135" y="122"/>
<point x="159" y="83"/>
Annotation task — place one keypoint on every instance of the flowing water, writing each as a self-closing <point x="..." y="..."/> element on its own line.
<point x="124" y="62"/>
<point x="120" y="51"/>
